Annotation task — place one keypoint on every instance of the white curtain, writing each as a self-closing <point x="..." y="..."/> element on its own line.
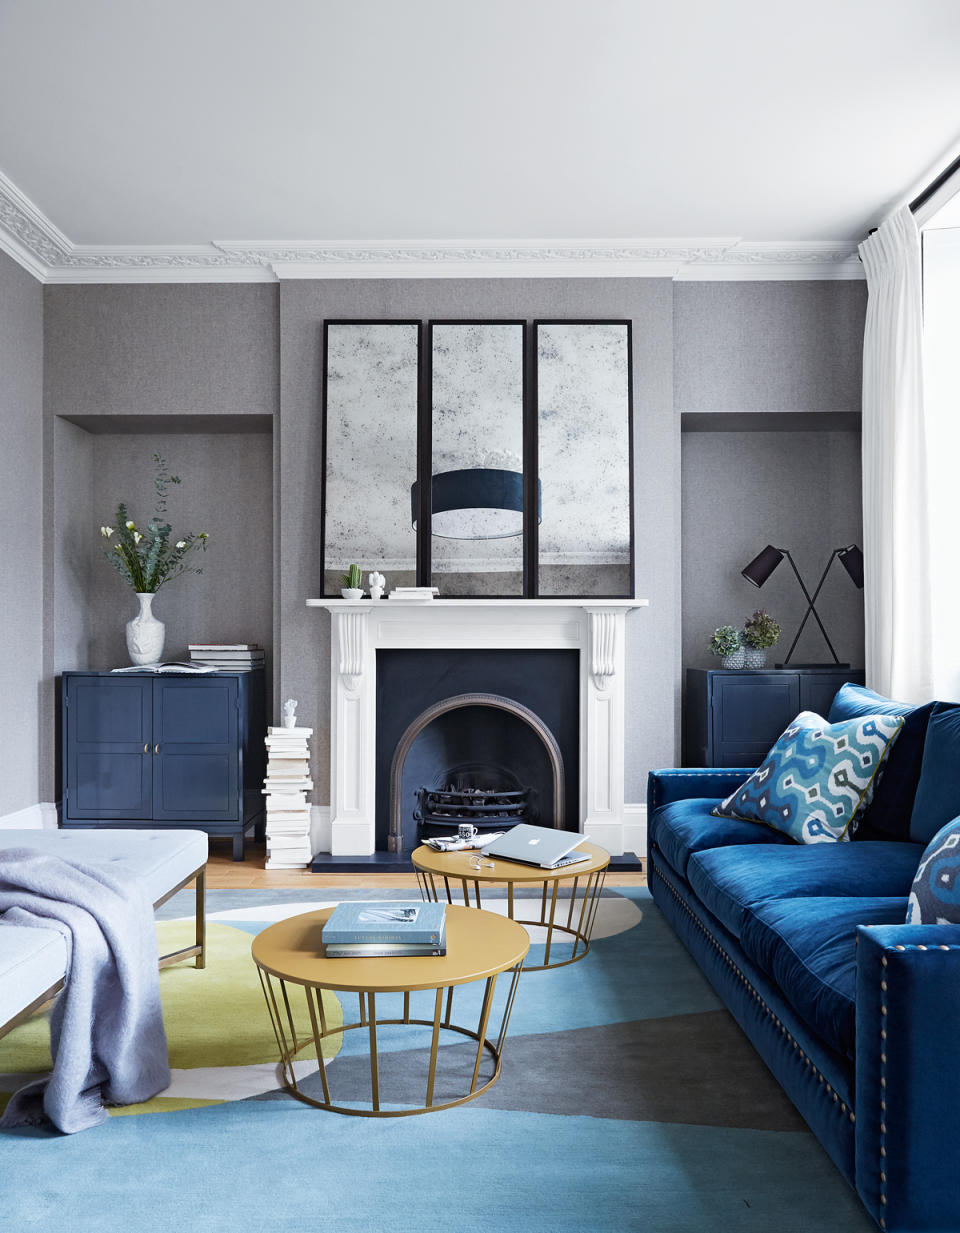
<point x="896" y="534"/>
<point x="941" y="383"/>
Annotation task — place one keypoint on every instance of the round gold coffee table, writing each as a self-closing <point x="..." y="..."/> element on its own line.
<point x="290" y="954"/>
<point x="458" y="870"/>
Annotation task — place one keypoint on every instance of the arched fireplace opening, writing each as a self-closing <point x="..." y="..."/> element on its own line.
<point x="475" y="757"/>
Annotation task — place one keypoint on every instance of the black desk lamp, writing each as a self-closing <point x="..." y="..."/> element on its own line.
<point x="765" y="562"/>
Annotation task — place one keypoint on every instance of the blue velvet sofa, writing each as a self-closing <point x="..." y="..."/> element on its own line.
<point x="855" y="1012"/>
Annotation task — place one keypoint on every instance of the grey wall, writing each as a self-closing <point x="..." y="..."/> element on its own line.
<point x="226" y="489"/>
<point x="769" y="346"/>
<point x="178" y="356"/>
<point x="743" y="490"/>
<point x="137" y="367"/>
<point x="21" y="541"/>
<point x="759" y="353"/>
<point x="653" y="644"/>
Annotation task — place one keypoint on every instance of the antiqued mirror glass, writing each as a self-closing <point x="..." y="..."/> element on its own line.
<point x="476" y="400"/>
<point x="370" y="447"/>
<point x="584" y="451"/>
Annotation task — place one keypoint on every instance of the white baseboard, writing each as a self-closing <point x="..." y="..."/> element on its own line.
<point x="635" y="829"/>
<point x="39" y="817"/>
<point x="320" y="828"/>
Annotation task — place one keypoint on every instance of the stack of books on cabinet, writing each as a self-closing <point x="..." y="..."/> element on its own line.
<point x="383" y="930"/>
<point x="289" y="844"/>
<point x="227" y="656"/>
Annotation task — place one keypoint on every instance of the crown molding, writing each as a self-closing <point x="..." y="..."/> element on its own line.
<point x="31" y="239"/>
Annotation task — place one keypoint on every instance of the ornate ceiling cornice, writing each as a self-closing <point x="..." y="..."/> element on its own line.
<point x="31" y="239"/>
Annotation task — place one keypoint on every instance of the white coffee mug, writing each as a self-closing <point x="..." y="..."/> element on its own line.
<point x="466" y="831"/>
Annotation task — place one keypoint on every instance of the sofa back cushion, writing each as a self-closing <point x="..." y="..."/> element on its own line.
<point x="816" y="778"/>
<point x="935" y="894"/>
<point x="937" y="799"/>
<point x="888" y="815"/>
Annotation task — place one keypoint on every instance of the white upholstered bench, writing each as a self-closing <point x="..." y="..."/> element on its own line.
<point x="33" y="961"/>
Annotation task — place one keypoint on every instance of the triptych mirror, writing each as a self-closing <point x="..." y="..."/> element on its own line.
<point x="486" y="458"/>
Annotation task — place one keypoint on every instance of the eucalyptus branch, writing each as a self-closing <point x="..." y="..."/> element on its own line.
<point x="150" y="558"/>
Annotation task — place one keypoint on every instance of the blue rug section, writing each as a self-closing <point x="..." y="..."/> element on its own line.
<point x="710" y="1145"/>
<point x="241" y="1168"/>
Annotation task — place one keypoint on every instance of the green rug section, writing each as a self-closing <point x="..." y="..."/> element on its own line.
<point x="215" y="1017"/>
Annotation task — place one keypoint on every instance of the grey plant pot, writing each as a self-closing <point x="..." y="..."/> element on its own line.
<point x="754" y="657"/>
<point x="735" y="660"/>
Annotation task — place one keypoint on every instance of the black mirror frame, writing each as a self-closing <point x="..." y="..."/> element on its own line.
<point x="424" y="462"/>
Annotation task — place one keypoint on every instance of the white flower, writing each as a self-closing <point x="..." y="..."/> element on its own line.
<point x="137" y="537"/>
<point x="130" y="525"/>
<point x="181" y="543"/>
<point x="106" y="532"/>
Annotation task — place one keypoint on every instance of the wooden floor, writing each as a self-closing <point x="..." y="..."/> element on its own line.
<point x="223" y="873"/>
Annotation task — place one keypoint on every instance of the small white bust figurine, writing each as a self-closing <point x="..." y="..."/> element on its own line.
<point x="377" y="583"/>
<point x="290" y="713"/>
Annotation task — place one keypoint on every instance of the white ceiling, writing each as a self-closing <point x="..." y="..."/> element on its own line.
<point x="181" y="122"/>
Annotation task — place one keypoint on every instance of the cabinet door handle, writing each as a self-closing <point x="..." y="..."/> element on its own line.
<point x="156" y="749"/>
<point x="146" y="748"/>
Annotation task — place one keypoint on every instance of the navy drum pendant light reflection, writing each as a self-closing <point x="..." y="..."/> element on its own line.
<point x="476" y="503"/>
<point x="766" y="561"/>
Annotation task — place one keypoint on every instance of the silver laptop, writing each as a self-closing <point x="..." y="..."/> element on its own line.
<point x="538" y="845"/>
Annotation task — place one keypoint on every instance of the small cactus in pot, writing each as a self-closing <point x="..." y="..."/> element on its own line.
<point x="352" y="583"/>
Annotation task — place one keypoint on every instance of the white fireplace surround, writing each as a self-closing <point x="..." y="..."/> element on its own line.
<point x="594" y="628"/>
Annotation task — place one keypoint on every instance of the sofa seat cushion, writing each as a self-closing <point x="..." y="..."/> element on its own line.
<point x="162" y="859"/>
<point x="731" y="881"/>
<point x="31" y="962"/>
<point x="809" y="948"/>
<point x="685" y="827"/>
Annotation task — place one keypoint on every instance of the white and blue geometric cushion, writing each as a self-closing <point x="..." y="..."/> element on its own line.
<point x="817" y="778"/>
<point x="935" y="894"/>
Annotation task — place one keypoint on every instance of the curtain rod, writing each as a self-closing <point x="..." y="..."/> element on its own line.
<point x="923" y="197"/>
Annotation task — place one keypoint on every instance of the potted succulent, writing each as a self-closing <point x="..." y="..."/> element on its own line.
<point x="727" y="645"/>
<point x="352" y="583"/>
<point x="760" y="631"/>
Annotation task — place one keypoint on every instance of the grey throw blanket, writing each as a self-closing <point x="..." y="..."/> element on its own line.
<point x="106" y="1029"/>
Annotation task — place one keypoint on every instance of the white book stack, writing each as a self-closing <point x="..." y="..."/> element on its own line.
<point x="286" y="786"/>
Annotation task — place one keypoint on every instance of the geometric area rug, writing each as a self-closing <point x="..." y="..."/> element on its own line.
<point x="628" y="1100"/>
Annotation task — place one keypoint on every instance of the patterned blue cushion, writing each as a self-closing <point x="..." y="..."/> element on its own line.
<point x="816" y="778"/>
<point x="935" y="894"/>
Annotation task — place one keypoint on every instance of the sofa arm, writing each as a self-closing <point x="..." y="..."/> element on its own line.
<point x="665" y="787"/>
<point x="908" y="1075"/>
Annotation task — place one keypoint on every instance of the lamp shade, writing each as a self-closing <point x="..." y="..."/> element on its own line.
<point x="851" y="558"/>
<point x="475" y="503"/>
<point x="762" y="565"/>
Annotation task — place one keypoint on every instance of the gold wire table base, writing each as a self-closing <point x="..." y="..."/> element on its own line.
<point x="581" y="932"/>
<point x="277" y="993"/>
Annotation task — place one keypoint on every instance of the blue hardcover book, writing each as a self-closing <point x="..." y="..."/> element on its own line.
<point x="385" y="922"/>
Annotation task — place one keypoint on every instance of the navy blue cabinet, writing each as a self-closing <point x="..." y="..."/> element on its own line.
<point x="155" y="750"/>
<point x="731" y="718"/>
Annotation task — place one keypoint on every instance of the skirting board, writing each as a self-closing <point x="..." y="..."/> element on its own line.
<point x="39" y="817"/>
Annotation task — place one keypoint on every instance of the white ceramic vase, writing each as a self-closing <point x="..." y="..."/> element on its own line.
<point x="145" y="633"/>
<point x="352" y="592"/>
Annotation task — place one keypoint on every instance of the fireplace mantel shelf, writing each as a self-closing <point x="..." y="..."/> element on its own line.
<point x="340" y="605"/>
<point x="594" y="627"/>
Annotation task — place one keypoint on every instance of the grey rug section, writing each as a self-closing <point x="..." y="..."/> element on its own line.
<point x="689" y="1069"/>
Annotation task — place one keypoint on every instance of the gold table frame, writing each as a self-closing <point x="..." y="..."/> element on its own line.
<point x="472" y="955"/>
<point x="456" y="867"/>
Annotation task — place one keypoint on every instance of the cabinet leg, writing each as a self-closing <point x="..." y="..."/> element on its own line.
<point x="238" y="847"/>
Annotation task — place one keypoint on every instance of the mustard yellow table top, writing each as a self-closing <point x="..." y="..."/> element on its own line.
<point x="457" y="865"/>
<point x="479" y="944"/>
